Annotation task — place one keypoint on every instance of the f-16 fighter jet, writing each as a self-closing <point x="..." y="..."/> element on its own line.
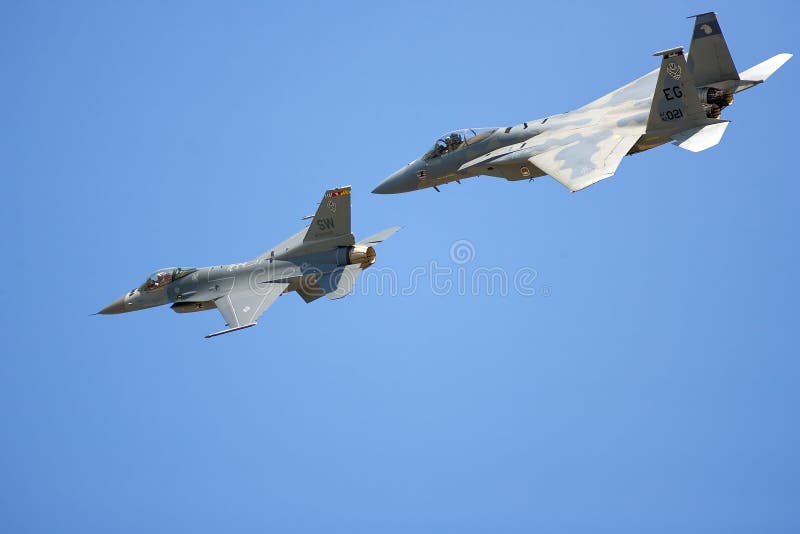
<point x="321" y="259"/>
<point x="681" y="103"/>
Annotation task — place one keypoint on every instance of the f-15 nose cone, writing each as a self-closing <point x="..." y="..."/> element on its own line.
<point x="400" y="182"/>
<point x="386" y="187"/>
<point x="118" y="306"/>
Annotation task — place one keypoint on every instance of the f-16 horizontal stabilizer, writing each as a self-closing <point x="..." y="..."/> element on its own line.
<point x="341" y="282"/>
<point x="334" y="285"/>
<point x="383" y="235"/>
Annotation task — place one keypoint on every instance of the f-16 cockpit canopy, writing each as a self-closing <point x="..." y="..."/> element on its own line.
<point x="162" y="277"/>
<point x="456" y="140"/>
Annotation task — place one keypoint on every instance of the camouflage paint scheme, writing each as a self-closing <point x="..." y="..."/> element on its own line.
<point x="321" y="259"/>
<point x="680" y="103"/>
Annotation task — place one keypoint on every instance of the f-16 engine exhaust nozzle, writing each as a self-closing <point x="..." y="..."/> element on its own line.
<point x="362" y="255"/>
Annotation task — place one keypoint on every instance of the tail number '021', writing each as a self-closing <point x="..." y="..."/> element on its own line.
<point x="671" y="115"/>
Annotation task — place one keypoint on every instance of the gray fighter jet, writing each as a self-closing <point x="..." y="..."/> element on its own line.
<point x="679" y="103"/>
<point x="321" y="259"/>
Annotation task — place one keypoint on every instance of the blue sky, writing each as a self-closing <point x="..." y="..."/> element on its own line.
<point x="647" y="385"/>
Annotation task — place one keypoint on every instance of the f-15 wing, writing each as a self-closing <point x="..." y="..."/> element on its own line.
<point x="586" y="160"/>
<point x="241" y="308"/>
<point x="576" y="159"/>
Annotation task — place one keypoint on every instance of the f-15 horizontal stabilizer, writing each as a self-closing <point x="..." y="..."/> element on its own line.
<point x="765" y="69"/>
<point x="701" y="138"/>
<point x="754" y="75"/>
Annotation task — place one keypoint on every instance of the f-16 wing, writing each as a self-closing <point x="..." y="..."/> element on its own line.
<point x="241" y="308"/>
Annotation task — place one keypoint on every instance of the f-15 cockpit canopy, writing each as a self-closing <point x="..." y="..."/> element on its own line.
<point x="456" y="140"/>
<point x="162" y="277"/>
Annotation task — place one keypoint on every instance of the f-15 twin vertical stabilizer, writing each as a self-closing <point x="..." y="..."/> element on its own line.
<point x="710" y="61"/>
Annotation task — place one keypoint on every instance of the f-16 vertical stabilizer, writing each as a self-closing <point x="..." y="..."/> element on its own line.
<point x="332" y="219"/>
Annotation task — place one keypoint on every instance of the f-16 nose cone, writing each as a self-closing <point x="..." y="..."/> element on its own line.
<point x="118" y="306"/>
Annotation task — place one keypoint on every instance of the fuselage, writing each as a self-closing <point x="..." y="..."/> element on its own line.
<point x="202" y="286"/>
<point x="625" y="110"/>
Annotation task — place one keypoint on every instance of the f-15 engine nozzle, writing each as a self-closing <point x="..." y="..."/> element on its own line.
<point x="712" y="95"/>
<point x="714" y="100"/>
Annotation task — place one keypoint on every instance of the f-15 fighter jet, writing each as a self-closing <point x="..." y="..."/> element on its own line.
<point x="681" y="103"/>
<point x="321" y="259"/>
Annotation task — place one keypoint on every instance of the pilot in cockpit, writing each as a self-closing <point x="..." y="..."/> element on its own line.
<point x="445" y="145"/>
<point x="453" y="141"/>
<point x="440" y="148"/>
